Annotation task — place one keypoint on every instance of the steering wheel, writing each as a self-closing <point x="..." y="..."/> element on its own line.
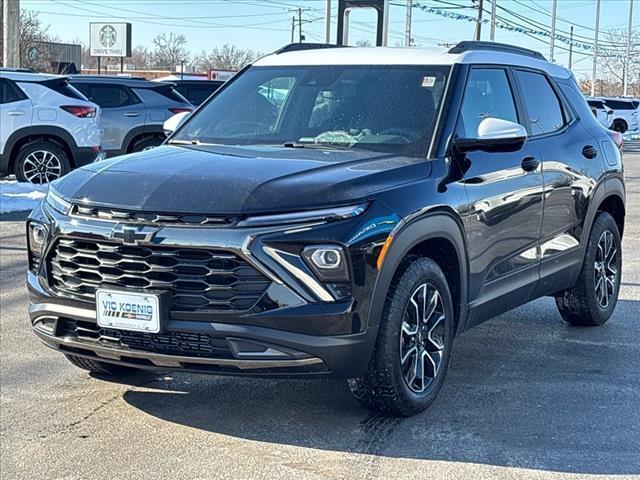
<point x="404" y="134"/>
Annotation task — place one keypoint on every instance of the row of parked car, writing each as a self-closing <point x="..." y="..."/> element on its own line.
<point x="50" y="124"/>
<point x="618" y="114"/>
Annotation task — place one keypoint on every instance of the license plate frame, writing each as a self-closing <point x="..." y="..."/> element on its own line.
<point x="138" y="318"/>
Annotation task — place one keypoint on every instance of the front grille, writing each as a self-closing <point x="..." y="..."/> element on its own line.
<point x="199" y="280"/>
<point x="135" y="217"/>
<point x="170" y="343"/>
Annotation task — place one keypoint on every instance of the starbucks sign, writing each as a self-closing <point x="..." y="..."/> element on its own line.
<point x="110" y="39"/>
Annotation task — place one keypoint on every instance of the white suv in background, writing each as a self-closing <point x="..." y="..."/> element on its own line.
<point x="625" y="113"/>
<point x="603" y="114"/>
<point x="47" y="127"/>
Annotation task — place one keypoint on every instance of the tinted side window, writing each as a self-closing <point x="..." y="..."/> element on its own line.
<point x="197" y="94"/>
<point x="169" y="92"/>
<point x="487" y="95"/>
<point x="620" y="105"/>
<point x="541" y="102"/>
<point x="595" y="103"/>
<point x="10" y="93"/>
<point x="63" y="87"/>
<point x="111" y="96"/>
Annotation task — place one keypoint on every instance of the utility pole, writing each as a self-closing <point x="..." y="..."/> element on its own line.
<point x="293" y="27"/>
<point x="570" y="47"/>
<point x="493" y="21"/>
<point x="407" y="24"/>
<point x="627" y="57"/>
<point x="299" y="25"/>
<point x="553" y="30"/>
<point x="11" y="33"/>
<point x="327" y="23"/>
<point x="595" y="50"/>
<point x="478" y="33"/>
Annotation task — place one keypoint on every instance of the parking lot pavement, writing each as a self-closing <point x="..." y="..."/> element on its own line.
<point x="526" y="397"/>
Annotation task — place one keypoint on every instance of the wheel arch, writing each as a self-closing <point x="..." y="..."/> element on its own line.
<point x="609" y="197"/>
<point x="437" y="235"/>
<point x="139" y="133"/>
<point x="26" y="135"/>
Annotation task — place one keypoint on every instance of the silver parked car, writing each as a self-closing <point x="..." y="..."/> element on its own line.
<point x="133" y="110"/>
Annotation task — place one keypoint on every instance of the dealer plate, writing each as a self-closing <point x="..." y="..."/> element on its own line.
<point x="128" y="311"/>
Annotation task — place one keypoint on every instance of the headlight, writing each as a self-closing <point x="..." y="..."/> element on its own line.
<point x="57" y="203"/>
<point x="328" y="214"/>
<point x="328" y="262"/>
<point x="37" y="234"/>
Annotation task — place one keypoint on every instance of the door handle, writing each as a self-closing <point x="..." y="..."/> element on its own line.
<point x="589" y="151"/>
<point x="530" y="164"/>
<point x="132" y="114"/>
<point x="15" y="113"/>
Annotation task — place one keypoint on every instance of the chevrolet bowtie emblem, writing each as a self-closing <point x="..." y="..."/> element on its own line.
<point x="131" y="235"/>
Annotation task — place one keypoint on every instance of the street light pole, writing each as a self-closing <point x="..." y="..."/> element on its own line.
<point x="493" y="21"/>
<point x="570" y="47"/>
<point x="327" y="23"/>
<point x="627" y="57"/>
<point x="553" y="30"/>
<point x="595" y="50"/>
<point x="407" y="24"/>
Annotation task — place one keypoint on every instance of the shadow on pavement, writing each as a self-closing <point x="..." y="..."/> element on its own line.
<point x="524" y="390"/>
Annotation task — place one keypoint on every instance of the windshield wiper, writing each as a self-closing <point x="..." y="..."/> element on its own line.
<point x="320" y="145"/>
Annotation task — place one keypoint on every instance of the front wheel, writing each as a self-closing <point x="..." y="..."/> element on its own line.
<point x="414" y="342"/>
<point x="146" y="144"/>
<point x="593" y="299"/>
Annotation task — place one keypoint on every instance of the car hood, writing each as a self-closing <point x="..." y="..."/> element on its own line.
<point x="237" y="180"/>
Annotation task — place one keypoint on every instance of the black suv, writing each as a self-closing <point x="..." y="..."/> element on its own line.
<point x="337" y="211"/>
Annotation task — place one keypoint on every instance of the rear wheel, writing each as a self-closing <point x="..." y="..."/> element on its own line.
<point x="412" y="351"/>
<point x="101" y="368"/>
<point x="593" y="299"/>
<point x="146" y="143"/>
<point x="41" y="162"/>
<point x="619" y="126"/>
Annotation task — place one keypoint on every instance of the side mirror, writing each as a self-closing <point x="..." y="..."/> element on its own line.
<point x="495" y="134"/>
<point x="173" y="123"/>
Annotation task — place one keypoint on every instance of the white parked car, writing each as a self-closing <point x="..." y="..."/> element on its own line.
<point x="603" y="114"/>
<point x="625" y="113"/>
<point x="47" y="127"/>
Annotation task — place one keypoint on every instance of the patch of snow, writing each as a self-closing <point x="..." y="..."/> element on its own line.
<point x="17" y="197"/>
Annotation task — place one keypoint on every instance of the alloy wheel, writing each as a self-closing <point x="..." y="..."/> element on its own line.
<point x="41" y="166"/>
<point x="605" y="269"/>
<point x="422" y="338"/>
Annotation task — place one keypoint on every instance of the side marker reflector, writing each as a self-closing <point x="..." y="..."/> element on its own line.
<point x="383" y="251"/>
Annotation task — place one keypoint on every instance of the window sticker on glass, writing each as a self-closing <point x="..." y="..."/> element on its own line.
<point x="428" y="81"/>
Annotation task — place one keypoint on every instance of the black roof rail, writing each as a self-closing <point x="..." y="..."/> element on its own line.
<point x="108" y="76"/>
<point x="295" y="47"/>
<point x="468" y="45"/>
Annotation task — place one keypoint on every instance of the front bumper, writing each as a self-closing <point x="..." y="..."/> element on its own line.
<point x="290" y="332"/>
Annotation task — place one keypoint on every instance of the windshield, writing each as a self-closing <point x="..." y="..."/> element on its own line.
<point x="380" y="108"/>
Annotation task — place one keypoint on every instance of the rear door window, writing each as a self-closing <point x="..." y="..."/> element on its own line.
<point x="487" y="94"/>
<point x="111" y="96"/>
<point x="197" y="94"/>
<point x="620" y="105"/>
<point x="543" y="107"/>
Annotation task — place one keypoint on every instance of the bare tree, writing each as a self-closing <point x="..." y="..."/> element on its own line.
<point x="613" y="64"/>
<point x="227" y="57"/>
<point x="363" y="43"/>
<point x="141" y="57"/>
<point x="33" y="53"/>
<point x="169" y="50"/>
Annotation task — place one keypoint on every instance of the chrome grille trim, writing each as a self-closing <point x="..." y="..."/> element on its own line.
<point x="199" y="279"/>
<point x="151" y="218"/>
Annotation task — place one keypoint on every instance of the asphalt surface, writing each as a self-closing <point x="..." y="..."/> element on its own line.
<point x="526" y="396"/>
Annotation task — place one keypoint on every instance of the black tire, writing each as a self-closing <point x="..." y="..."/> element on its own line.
<point x="42" y="152"/>
<point x="146" y="143"/>
<point x="619" y="126"/>
<point x="582" y="305"/>
<point x="101" y="368"/>
<point x="384" y="387"/>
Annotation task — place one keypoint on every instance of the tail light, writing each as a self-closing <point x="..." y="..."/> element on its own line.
<point x="80" y="111"/>
<point x="180" y="110"/>
<point x="617" y="139"/>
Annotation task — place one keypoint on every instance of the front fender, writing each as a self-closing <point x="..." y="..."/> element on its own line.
<point x="440" y="224"/>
